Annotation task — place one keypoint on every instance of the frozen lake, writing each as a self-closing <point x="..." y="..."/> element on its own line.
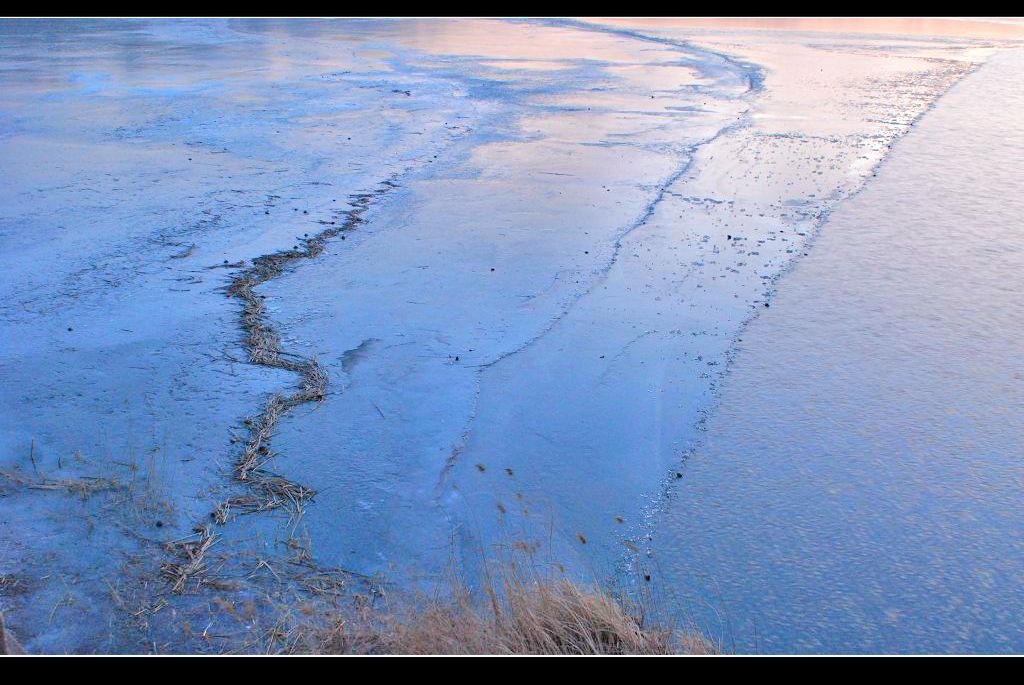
<point x="524" y="256"/>
<point x="860" y="486"/>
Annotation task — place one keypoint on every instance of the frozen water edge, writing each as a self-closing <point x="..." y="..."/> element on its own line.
<point x="546" y="177"/>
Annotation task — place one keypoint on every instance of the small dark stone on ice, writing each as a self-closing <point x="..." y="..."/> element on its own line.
<point x="678" y="475"/>
<point x="492" y="268"/>
<point x="159" y="524"/>
<point x="767" y="305"/>
<point x="69" y="328"/>
<point x="267" y="212"/>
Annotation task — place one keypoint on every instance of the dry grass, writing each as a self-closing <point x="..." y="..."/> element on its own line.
<point x="83" y="487"/>
<point x="191" y="554"/>
<point x="519" y="616"/>
<point x="269" y="491"/>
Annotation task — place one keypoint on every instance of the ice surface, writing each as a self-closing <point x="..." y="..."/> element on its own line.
<point x="523" y="337"/>
<point x="859" y="488"/>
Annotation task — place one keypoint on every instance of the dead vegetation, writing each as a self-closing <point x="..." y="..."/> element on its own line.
<point x="267" y="491"/>
<point x="83" y="487"/>
<point x="137" y="490"/>
<point x="191" y="553"/>
<point x="518" y="615"/>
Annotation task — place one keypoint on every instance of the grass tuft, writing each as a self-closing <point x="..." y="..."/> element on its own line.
<point x="513" y="615"/>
